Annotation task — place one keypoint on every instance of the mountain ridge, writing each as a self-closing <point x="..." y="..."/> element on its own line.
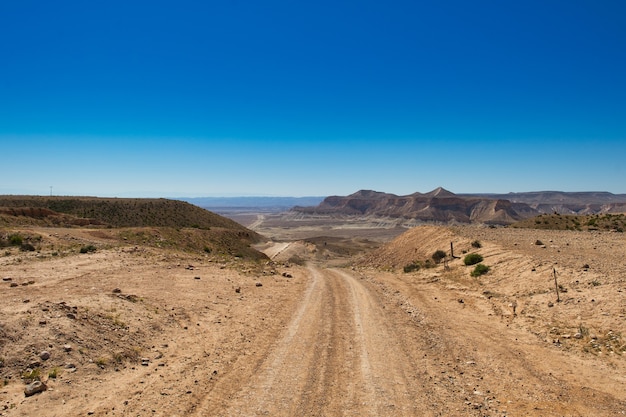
<point x="441" y="205"/>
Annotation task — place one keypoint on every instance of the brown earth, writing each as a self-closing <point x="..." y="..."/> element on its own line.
<point x="136" y="330"/>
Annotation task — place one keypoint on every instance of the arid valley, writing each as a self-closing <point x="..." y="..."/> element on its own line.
<point x="348" y="317"/>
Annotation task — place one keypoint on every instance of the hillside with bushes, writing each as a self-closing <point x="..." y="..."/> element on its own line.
<point x="152" y="222"/>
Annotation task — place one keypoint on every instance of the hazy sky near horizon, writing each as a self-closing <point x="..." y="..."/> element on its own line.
<point x="285" y="98"/>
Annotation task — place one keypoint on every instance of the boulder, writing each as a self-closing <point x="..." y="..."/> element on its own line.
<point x="34" y="388"/>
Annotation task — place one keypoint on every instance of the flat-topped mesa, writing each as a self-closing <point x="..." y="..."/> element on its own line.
<point x="438" y="205"/>
<point x="441" y="205"/>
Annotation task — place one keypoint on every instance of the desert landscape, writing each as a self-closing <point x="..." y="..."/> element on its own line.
<point x="305" y="314"/>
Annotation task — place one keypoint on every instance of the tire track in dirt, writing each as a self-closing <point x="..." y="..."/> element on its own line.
<point x="339" y="355"/>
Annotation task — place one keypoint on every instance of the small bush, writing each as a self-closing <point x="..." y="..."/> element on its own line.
<point x="32" y="375"/>
<point x="16" y="240"/>
<point x="438" y="256"/>
<point x="479" y="270"/>
<point x="88" y="249"/>
<point x="476" y="244"/>
<point x="54" y="372"/>
<point x="472" y="259"/>
<point x="414" y="266"/>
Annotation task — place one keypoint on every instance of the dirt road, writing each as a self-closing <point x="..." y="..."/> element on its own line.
<point x="339" y="355"/>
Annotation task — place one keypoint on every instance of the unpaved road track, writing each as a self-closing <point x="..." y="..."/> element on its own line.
<point x="341" y="354"/>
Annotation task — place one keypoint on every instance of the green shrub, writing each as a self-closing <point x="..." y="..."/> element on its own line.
<point x="472" y="259"/>
<point x="438" y="256"/>
<point x="414" y="266"/>
<point x="479" y="270"/>
<point x="88" y="249"/>
<point x="54" y="372"/>
<point x="32" y="374"/>
<point x="16" y="240"/>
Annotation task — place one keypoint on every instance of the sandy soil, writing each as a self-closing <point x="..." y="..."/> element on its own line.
<point x="134" y="331"/>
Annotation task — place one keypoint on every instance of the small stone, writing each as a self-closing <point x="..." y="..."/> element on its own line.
<point x="258" y="284"/>
<point x="34" y="388"/>
<point x="117" y="290"/>
<point x="145" y="361"/>
<point x="71" y="316"/>
<point x="550" y="304"/>
<point x="6" y="279"/>
<point x="44" y="356"/>
<point x="42" y="322"/>
<point x="196" y="277"/>
<point x="13" y="285"/>
<point x="67" y="348"/>
<point x="33" y="365"/>
<point x="238" y="290"/>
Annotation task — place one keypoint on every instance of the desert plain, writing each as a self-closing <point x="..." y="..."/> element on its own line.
<point x="330" y="324"/>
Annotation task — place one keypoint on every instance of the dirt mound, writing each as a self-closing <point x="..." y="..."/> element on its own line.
<point x="417" y="244"/>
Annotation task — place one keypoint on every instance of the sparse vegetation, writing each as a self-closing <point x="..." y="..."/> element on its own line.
<point x="479" y="270"/>
<point x="413" y="266"/>
<point x="88" y="249"/>
<point x="472" y="259"/>
<point x="32" y="375"/>
<point x="438" y="256"/>
<point x="54" y="372"/>
<point x="606" y="222"/>
<point x="476" y="244"/>
<point x="16" y="240"/>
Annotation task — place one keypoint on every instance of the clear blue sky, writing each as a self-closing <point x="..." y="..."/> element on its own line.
<point x="289" y="98"/>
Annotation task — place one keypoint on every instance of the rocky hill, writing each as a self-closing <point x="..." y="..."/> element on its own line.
<point x="441" y="205"/>
<point x="438" y="205"/>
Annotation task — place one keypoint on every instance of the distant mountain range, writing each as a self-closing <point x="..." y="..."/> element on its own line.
<point x="444" y="206"/>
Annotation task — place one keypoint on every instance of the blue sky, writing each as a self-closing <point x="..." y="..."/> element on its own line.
<point x="285" y="98"/>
